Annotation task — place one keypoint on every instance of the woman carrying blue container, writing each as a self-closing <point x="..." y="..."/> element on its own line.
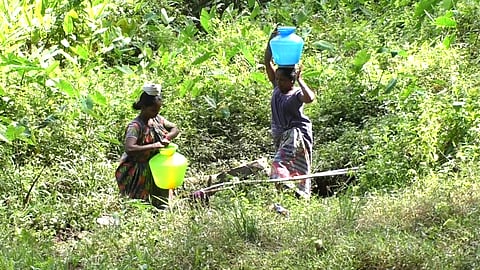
<point x="291" y="129"/>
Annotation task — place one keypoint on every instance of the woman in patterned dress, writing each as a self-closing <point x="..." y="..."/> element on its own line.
<point x="144" y="135"/>
<point x="291" y="129"/>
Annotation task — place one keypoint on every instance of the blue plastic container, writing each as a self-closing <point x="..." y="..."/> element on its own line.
<point x="286" y="47"/>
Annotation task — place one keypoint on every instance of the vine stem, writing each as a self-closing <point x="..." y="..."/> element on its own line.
<point x="27" y="197"/>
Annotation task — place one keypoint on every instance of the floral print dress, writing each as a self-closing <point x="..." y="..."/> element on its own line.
<point x="133" y="174"/>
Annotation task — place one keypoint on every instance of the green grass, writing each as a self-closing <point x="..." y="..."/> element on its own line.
<point x="432" y="225"/>
<point x="415" y="201"/>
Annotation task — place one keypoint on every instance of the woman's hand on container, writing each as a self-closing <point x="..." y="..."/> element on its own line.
<point x="157" y="145"/>
<point x="299" y="73"/>
<point x="307" y="95"/>
<point x="165" y="141"/>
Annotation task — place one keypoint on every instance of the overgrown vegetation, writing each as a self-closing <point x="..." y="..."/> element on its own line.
<point x="398" y="96"/>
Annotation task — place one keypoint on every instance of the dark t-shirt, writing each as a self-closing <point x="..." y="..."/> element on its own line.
<point x="287" y="113"/>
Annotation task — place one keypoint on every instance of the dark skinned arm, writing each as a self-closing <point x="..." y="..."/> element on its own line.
<point x="267" y="60"/>
<point x="173" y="130"/>
<point x="131" y="146"/>
<point x="308" y="96"/>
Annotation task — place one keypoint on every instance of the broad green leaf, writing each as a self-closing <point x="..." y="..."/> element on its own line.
<point x="190" y="30"/>
<point x="87" y="104"/>
<point x="256" y="11"/>
<point x="248" y="55"/>
<point x="211" y="102"/>
<point x="39" y="10"/>
<point x="7" y="59"/>
<point x="361" y="59"/>
<point x="205" y="21"/>
<point x="68" y="21"/>
<point x="26" y="138"/>
<point x="67" y="88"/>
<point x="447" y="4"/>
<point x="98" y="98"/>
<point x="406" y="92"/>
<point x="165" y="59"/>
<point x="202" y="58"/>
<point x="95" y="11"/>
<point x="188" y="85"/>
<point x="232" y="51"/>
<point x="27" y="13"/>
<point x="323" y="45"/>
<point x="258" y="77"/>
<point x="302" y="17"/>
<point x="72" y="13"/>
<point x="147" y="51"/>
<point x="448" y="40"/>
<point x="166" y="20"/>
<point x="184" y="88"/>
<point x="311" y="74"/>
<point x="18" y="63"/>
<point x="446" y="21"/>
<point x="24" y="68"/>
<point x="81" y="51"/>
<point x="14" y="131"/>
<point x="68" y="25"/>
<point x="195" y="91"/>
<point x="52" y="67"/>
<point x="391" y="84"/>
<point x="403" y="53"/>
<point x="125" y="70"/>
<point x="36" y="37"/>
<point x="425" y="6"/>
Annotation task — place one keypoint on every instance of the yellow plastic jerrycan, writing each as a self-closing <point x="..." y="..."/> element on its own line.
<point x="168" y="167"/>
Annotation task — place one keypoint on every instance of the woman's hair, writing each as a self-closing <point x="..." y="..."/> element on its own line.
<point x="288" y="72"/>
<point x="146" y="100"/>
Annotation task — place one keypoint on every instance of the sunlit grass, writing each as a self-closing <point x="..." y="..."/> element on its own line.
<point x="430" y="225"/>
<point x="414" y="205"/>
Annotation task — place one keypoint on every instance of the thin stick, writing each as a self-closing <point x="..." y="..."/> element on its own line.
<point x="219" y="186"/>
<point x="27" y="197"/>
<point x="170" y="196"/>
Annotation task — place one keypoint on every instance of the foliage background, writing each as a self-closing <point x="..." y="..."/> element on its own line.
<point x="397" y="84"/>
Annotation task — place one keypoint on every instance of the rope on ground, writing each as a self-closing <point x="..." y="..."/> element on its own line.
<point x="219" y="186"/>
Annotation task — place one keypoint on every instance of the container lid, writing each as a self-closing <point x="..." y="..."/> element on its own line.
<point x="286" y="30"/>
<point x="169" y="150"/>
